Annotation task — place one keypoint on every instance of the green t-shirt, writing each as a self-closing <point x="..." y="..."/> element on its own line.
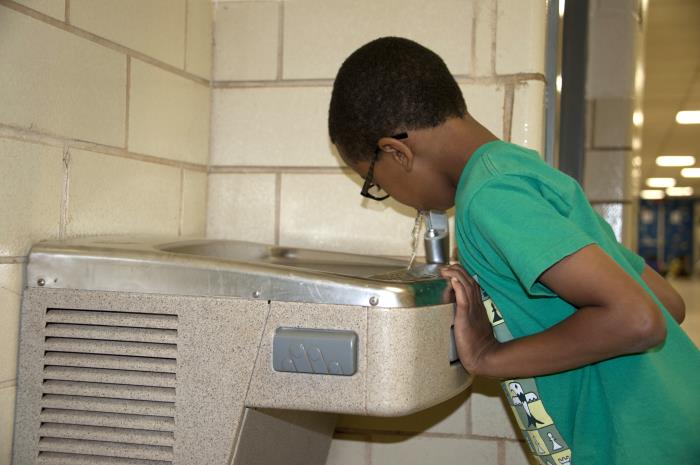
<point x="516" y="217"/>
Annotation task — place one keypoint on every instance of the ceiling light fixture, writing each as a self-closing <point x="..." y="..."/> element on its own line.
<point x="636" y="143"/>
<point x="690" y="172"/>
<point x="679" y="191"/>
<point x="661" y="182"/>
<point x="639" y="78"/>
<point x="688" y="117"/>
<point x="638" y="118"/>
<point x="675" y="160"/>
<point x="652" y="194"/>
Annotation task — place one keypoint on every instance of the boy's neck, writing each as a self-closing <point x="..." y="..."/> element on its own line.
<point x="453" y="143"/>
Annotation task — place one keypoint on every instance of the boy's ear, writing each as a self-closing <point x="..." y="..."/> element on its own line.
<point x="399" y="152"/>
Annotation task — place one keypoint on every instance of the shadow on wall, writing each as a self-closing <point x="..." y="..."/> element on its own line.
<point x="453" y="418"/>
<point x="334" y="151"/>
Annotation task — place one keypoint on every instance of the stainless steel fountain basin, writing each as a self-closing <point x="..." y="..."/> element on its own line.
<point x="231" y="268"/>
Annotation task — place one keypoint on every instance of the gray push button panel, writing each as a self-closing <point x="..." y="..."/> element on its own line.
<point x="319" y="351"/>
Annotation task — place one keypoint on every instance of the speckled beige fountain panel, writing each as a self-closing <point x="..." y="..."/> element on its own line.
<point x="157" y="379"/>
<point x="403" y="361"/>
<point x="144" y="377"/>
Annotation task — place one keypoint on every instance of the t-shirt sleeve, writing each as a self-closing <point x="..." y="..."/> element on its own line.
<point x="634" y="260"/>
<point x="516" y="226"/>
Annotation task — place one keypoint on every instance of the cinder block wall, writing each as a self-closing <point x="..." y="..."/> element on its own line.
<point x="104" y="128"/>
<point x="615" y="82"/>
<point x="274" y="177"/>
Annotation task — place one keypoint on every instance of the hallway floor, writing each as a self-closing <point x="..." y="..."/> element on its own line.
<point x="689" y="289"/>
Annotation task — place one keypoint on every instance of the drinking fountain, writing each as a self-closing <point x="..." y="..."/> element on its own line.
<point x="153" y="351"/>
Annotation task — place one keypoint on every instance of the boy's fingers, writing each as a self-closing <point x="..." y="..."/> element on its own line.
<point x="470" y="286"/>
<point x="447" y="292"/>
<point x="463" y="301"/>
<point x="467" y="290"/>
<point x="460" y="273"/>
<point x="459" y="292"/>
<point x="456" y="272"/>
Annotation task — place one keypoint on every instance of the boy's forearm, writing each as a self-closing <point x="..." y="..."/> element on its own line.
<point x="614" y="315"/>
<point x="590" y="335"/>
<point x="665" y="293"/>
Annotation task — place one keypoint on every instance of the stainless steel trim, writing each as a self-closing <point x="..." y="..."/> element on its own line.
<point x="231" y="268"/>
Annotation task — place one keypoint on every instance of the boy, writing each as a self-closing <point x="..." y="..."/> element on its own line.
<point x="586" y="337"/>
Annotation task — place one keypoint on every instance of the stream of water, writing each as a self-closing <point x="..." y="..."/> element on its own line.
<point x="415" y="237"/>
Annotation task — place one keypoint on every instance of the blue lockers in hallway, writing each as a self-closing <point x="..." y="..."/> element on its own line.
<point x="666" y="234"/>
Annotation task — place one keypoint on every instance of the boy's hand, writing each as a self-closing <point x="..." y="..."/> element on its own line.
<point x="473" y="332"/>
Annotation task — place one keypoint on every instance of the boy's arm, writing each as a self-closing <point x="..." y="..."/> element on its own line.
<point x="665" y="293"/>
<point x="614" y="316"/>
<point x="658" y="285"/>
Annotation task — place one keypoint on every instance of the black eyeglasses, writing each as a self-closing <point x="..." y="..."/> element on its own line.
<point x="369" y="189"/>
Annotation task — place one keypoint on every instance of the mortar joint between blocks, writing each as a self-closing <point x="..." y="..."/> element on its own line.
<point x="278" y="206"/>
<point x="494" y="36"/>
<point x="65" y="192"/>
<point x="8" y="384"/>
<point x="184" y="45"/>
<point x="84" y="34"/>
<point x="280" y="42"/>
<point x="472" y="52"/>
<point x="52" y="140"/>
<point x="508" y="104"/>
<point x="127" y="107"/>
<point x="181" y="208"/>
<point x="501" y="453"/>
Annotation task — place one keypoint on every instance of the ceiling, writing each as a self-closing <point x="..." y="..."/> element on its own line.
<point x="672" y="83"/>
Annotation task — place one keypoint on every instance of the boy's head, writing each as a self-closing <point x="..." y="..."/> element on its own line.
<point x="386" y="87"/>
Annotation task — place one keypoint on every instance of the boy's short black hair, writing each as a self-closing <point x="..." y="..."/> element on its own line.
<point x="390" y="84"/>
